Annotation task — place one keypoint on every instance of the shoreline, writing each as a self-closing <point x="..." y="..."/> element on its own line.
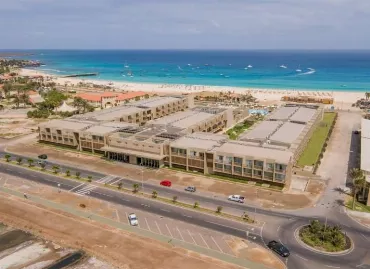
<point x="263" y="94"/>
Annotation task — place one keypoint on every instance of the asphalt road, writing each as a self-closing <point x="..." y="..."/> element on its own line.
<point x="280" y="225"/>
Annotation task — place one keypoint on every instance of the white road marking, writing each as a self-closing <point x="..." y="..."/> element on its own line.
<point x="301" y="257"/>
<point x="147" y="224"/>
<point x="332" y="266"/>
<point x="158" y="227"/>
<point x="364" y="237"/>
<point x="103" y="194"/>
<point x="77" y="187"/>
<point x="278" y="229"/>
<point x="180" y="233"/>
<point x="126" y="200"/>
<point x="191" y="237"/>
<point x="187" y="216"/>
<point x="169" y="231"/>
<point x="114" y="182"/>
<point x="217" y="244"/>
<point x="204" y="240"/>
<point x="117" y="216"/>
<point x="165" y="210"/>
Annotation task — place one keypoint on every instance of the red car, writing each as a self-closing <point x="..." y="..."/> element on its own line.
<point x="166" y="183"/>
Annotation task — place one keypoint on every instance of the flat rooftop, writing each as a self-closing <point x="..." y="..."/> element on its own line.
<point x="109" y="114"/>
<point x="70" y="124"/>
<point x="303" y="114"/>
<point x="287" y="133"/>
<point x="240" y="148"/>
<point x="283" y="113"/>
<point x="108" y="127"/>
<point x="155" y="102"/>
<point x="205" y="142"/>
<point x="261" y="131"/>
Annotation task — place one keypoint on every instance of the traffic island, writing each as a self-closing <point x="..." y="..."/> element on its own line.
<point x="323" y="238"/>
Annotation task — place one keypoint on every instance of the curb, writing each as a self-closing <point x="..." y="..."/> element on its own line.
<point x="333" y="254"/>
<point x="354" y="219"/>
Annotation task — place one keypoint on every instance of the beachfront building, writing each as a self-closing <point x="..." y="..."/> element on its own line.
<point x="365" y="155"/>
<point x="110" y="99"/>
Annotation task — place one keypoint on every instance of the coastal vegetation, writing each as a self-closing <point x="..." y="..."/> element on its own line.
<point x="316" y="146"/>
<point x="324" y="237"/>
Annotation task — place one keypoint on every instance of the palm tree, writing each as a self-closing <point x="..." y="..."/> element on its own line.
<point x="19" y="160"/>
<point x="219" y="209"/>
<point x="136" y="187"/>
<point x="78" y="174"/>
<point x="7" y="157"/>
<point x="42" y="165"/>
<point x="358" y="181"/>
<point x="154" y="194"/>
<point x="174" y="199"/>
<point x="119" y="185"/>
<point x="68" y="173"/>
<point x="55" y="169"/>
<point x="367" y="95"/>
<point x="30" y="162"/>
<point x="196" y="205"/>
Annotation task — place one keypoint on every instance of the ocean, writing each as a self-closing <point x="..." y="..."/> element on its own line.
<point x="308" y="70"/>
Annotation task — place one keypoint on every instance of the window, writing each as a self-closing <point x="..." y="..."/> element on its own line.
<point x="220" y="159"/>
<point x="238" y="161"/>
<point x="66" y="140"/>
<point x="60" y="138"/>
<point x="269" y="167"/>
<point x="228" y="160"/>
<point x="280" y="167"/>
<point x="279" y="177"/>
<point x="227" y="168"/>
<point x="257" y="173"/>
<point x="71" y="140"/>
<point x="237" y="170"/>
<point x="43" y="136"/>
<point x="249" y="163"/>
<point x="268" y="175"/>
<point x="192" y="153"/>
<point x="59" y="132"/>
<point x="54" y="137"/>
<point x="218" y="166"/>
<point x="247" y="171"/>
<point x="48" y="130"/>
<point x="49" y="136"/>
<point x="258" y="164"/>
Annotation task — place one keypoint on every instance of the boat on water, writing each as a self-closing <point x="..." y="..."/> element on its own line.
<point x="283" y="66"/>
<point x="245" y="68"/>
<point x="250" y="66"/>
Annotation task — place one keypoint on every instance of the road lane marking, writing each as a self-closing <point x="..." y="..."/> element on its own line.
<point x="114" y="182"/>
<point x="226" y="226"/>
<point x="204" y="240"/>
<point x="182" y="238"/>
<point x="169" y="231"/>
<point x="216" y="244"/>
<point x="165" y="210"/>
<point x="331" y="266"/>
<point x="125" y="200"/>
<point x="187" y="216"/>
<point x="158" y="227"/>
<point x="102" y="193"/>
<point x="301" y="257"/>
<point x="278" y="229"/>
<point x="77" y="187"/>
<point x="191" y="237"/>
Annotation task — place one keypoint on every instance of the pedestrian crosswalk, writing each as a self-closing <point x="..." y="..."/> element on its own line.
<point x="86" y="189"/>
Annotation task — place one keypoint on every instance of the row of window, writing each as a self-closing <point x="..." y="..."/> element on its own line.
<point x="250" y="163"/>
<point x="249" y="172"/>
<point x="66" y="140"/>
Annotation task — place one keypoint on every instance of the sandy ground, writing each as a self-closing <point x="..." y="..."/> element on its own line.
<point x="265" y="198"/>
<point x="341" y="99"/>
<point x="92" y="236"/>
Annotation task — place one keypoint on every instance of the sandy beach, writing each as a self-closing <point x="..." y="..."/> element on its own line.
<point x="341" y="98"/>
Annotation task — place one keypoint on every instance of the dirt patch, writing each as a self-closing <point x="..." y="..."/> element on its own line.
<point x="13" y="238"/>
<point x="254" y="253"/>
<point x="122" y="249"/>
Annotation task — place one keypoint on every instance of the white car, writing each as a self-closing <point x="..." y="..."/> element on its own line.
<point x="133" y="220"/>
<point x="236" y="198"/>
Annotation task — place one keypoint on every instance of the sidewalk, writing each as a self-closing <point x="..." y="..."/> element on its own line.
<point x="143" y="233"/>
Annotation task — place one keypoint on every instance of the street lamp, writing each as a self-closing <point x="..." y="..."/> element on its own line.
<point x="59" y="187"/>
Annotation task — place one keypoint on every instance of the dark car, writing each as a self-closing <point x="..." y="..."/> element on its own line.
<point x="43" y="156"/>
<point x="357" y="132"/>
<point x="166" y="183"/>
<point x="279" y="248"/>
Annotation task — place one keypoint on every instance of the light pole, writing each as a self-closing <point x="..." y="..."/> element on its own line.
<point x="59" y="187"/>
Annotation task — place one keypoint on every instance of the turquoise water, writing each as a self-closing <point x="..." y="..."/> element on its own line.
<point x="311" y="70"/>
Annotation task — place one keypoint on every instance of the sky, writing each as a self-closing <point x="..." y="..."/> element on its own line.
<point x="185" y="24"/>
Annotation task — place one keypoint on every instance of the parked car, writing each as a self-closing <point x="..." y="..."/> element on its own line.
<point x="236" y="198"/>
<point x="357" y="132"/>
<point x="43" y="156"/>
<point x="191" y="188"/>
<point x="133" y="219"/>
<point x="166" y="183"/>
<point x="279" y="248"/>
<point x="41" y="162"/>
